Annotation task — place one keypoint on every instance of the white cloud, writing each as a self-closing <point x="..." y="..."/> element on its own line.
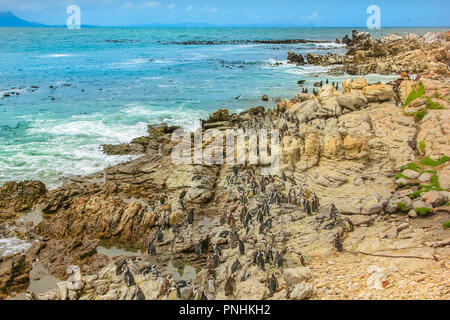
<point x="211" y="9"/>
<point x="313" y="16"/>
<point x="127" y="5"/>
<point x="189" y="8"/>
<point x="171" y="6"/>
<point x="150" y="4"/>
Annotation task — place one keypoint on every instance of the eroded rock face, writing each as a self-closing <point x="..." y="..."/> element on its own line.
<point x="14" y="271"/>
<point x="412" y="54"/>
<point x="18" y="197"/>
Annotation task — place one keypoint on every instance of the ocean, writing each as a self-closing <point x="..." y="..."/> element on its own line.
<point x="70" y="91"/>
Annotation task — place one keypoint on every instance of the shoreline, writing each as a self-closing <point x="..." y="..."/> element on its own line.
<point x="339" y="156"/>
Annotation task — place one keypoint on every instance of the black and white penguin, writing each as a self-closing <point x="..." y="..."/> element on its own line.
<point x="191" y="216"/>
<point x="151" y="248"/>
<point x="217" y="250"/>
<point x="128" y="276"/>
<point x="273" y="284"/>
<point x="119" y="266"/>
<point x="198" y="248"/>
<point x="159" y="236"/>
<point x="139" y="294"/>
<point x="236" y="266"/>
<point x="241" y="246"/>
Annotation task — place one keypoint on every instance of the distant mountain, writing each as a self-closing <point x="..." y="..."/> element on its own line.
<point x="8" y="19"/>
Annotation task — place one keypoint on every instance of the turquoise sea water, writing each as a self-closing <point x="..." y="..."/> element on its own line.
<point x="98" y="86"/>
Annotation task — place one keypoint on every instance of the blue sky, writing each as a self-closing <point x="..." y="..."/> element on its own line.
<point x="322" y="13"/>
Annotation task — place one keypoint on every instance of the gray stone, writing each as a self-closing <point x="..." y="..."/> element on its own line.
<point x="410" y="174"/>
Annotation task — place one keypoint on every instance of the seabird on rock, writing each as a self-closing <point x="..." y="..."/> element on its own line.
<point x="230" y="285"/>
<point x="236" y="266"/>
<point x="198" y="248"/>
<point x="151" y="248"/>
<point x="139" y="294"/>
<point x="273" y="284"/>
<point x="241" y="247"/>
<point x="128" y="276"/>
<point x="191" y="216"/>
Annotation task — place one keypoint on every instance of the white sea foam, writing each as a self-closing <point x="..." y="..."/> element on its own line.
<point x="13" y="245"/>
<point x="329" y="44"/>
<point x="57" y="55"/>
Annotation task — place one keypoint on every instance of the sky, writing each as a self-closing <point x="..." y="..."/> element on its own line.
<point x="323" y="13"/>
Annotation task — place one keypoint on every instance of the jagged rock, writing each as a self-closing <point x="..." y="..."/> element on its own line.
<point x="14" y="270"/>
<point x="296" y="275"/>
<point x="302" y="291"/>
<point x="17" y="197"/>
<point x="435" y="198"/>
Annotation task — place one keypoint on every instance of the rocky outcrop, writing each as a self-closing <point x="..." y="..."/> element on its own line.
<point x="412" y="54"/>
<point x="16" y="197"/>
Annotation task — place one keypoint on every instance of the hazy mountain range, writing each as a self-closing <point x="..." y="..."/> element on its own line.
<point x="8" y="19"/>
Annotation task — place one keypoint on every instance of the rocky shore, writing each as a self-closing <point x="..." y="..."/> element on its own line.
<point x="359" y="210"/>
<point x="394" y="54"/>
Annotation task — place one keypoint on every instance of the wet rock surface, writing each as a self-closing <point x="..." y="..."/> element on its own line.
<point x="356" y="210"/>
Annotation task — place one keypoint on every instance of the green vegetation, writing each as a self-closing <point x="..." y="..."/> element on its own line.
<point x="399" y="176"/>
<point x="411" y="166"/>
<point x="415" y="93"/>
<point x="427" y="161"/>
<point x="422" y="146"/>
<point x="418" y="115"/>
<point x="436" y="94"/>
<point x="403" y="207"/>
<point x="447" y="204"/>
<point x="433" y="105"/>
<point x="423" y="211"/>
<point x="446" y="224"/>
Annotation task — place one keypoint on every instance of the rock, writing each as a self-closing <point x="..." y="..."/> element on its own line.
<point x="391" y="207"/>
<point x="421" y="204"/>
<point x="295" y="58"/>
<point x="389" y="233"/>
<point x="218" y="116"/>
<point x="265" y="97"/>
<point x="251" y="290"/>
<point x="410" y="174"/>
<point x="402" y="226"/>
<point x="412" y="214"/>
<point x="360" y="219"/>
<point x="20" y="196"/>
<point x="296" y="275"/>
<point x="425" y="177"/>
<point x="302" y="291"/>
<point x="378" y="93"/>
<point x="435" y="198"/>
<point x="14" y="274"/>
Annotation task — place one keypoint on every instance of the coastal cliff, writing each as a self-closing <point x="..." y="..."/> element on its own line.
<point x="360" y="208"/>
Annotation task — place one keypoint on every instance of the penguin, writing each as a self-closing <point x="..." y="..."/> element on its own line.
<point x="260" y="261"/>
<point x="30" y="295"/>
<point x="241" y="247"/>
<point x="151" y="248"/>
<point x="236" y="266"/>
<point x="147" y="269"/>
<point x="203" y="296"/>
<point x="139" y="294"/>
<point x="159" y="236"/>
<point x="191" y="216"/>
<point x="128" y="276"/>
<point x="262" y="228"/>
<point x="198" y="248"/>
<point x="338" y="243"/>
<point x="211" y="286"/>
<point x="224" y="234"/>
<point x="217" y="250"/>
<point x="119" y="266"/>
<point x="279" y="260"/>
<point x="230" y="285"/>
<point x="273" y="284"/>
<point x="269" y="255"/>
